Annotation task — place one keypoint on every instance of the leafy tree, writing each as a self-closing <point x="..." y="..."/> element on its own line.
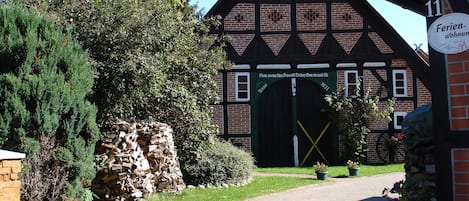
<point x="353" y="115"/>
<point x="152" y="58"/>
<point x="45" y="77"/>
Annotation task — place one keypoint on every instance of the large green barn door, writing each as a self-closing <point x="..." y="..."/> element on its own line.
<point x="274" y="125"/>
<point x="280" y="111"/>
<point x="313" y="125"/>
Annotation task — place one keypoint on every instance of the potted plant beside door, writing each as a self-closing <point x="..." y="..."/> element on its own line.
<point x="321" y="171"/>
<point x="353" y="168"/>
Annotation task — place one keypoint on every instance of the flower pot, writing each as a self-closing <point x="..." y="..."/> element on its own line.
<point x="321" y="175"/>
<point x="353" y="172"/>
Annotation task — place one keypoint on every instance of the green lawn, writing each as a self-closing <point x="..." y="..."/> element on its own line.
<point x="263" y="185"/>
<point x="259" y="186"/>
<point x="339" y="171"/>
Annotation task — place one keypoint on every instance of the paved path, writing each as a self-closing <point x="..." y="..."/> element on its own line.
<point x="340" y="189"/>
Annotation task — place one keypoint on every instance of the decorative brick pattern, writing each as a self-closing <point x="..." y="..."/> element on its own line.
<point x="276" y="41"/>
<point x="312" y="41"/>
<point x="460" y="173"/>
<point x="369" y="81"/>
<point x="423" y="94"/>
<point x="380" y="43"/>
<point x="241" y="18"/>
<point x="347" y="40"/>
<point x="458" y="87"/>
<point x="239" y="119"/>
<point x="344" y="17"/>
<point x="9" y="180"/>
<point x="242" y="142"/>
<point x="217" y="117"/>
<point x="240" y="42"/>
<point x="311" y="16"/>
<point x="275" y="17"/>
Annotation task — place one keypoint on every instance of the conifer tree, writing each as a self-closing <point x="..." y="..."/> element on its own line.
<point x="45" y="78"/>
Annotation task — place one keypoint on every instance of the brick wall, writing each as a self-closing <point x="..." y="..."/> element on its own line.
<point x="380" y="124"/>
<point x="219" y="80"/>
<point x="242" y="142"/>
<point x="239" y="119"/>
<point x="276" y="41"/>
<point x="410" y="82"/>
<point x="275" y="17"/>
<point x="311" y="16"/>
<point x="312" y="41"/>
<point x="9" y="179"/>
<point x="347" y="40"/>
<point x="458" y="83"/>
<point x="423" y="94"/>
<point x="231" y="88"/>
<point x="398" y="63"/>
<point x="404" y="106"/>
<point x="370" y="81"/>
<point x="241" y="18"/>
<point x="217" y="117"/>
<point x="345" y="17"/>
<point x="380" y="43"/>
<point x="372" y="155"/>
<point x="240" y="42"/>
<point x="460" y="160"/>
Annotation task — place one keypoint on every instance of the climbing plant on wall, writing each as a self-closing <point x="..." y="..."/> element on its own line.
<point x="352" y="116"/>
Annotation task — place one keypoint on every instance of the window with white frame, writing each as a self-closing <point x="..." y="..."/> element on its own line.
<point x="399" y="83"/>
<point x="350" y="82"/>
<point x="242" y="86"/>
<point x="398" y="118"/>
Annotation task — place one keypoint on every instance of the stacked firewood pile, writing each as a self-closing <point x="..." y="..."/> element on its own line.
<point x="139" y="159"/>
<point x="420" y="168"/>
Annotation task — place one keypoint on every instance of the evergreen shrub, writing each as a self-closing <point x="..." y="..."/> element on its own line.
<point x="45" y="77"/>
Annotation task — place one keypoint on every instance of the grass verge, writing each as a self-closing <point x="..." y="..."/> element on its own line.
<point x="339" y="171"/>
<point x="262" y="185"/>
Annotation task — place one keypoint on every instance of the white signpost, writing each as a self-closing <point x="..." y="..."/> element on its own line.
<point x="449" y="34"/>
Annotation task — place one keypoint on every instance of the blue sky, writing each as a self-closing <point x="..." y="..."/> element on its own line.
<point x="410" y="26"/>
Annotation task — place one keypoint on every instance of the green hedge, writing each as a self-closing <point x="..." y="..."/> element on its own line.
<point x="221" y="163"/>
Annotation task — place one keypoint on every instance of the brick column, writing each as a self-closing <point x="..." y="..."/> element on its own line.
<point x="10" y="168"/>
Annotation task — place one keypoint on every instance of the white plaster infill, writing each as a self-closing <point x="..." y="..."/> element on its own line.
<point x="10" y="155"/>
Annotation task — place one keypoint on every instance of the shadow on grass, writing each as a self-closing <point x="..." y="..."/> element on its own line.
<point x="341" y="176"/>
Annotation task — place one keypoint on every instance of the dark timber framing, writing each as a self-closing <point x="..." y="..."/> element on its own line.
<point x="295" y="52"/>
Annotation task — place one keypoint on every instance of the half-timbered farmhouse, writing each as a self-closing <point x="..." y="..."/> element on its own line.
<point x="288" y="54"/>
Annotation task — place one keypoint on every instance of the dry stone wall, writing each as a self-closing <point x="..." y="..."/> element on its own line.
<point x="139" y="159"/>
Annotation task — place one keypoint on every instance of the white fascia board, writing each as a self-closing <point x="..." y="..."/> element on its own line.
<point x="309" y="66"/>
<point x="273" y="66"/>
<point x="346" y="65"/>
